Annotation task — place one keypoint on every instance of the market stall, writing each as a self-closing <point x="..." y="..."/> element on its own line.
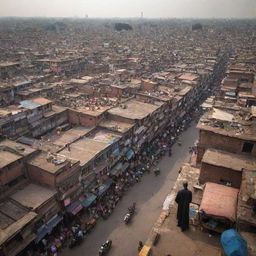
<point x="217" y="211"/>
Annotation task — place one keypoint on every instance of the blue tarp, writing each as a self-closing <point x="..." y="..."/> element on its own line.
<point x="129" y="154"/>
<point x="233" y="244"/>
<point x="53" y="222"/>
<point x="116" y="152"/>
<point x="47" y="228"/>
<point x="41" y="233"/>
<point x="72" y="206"/>
<point x="88" y="201"/>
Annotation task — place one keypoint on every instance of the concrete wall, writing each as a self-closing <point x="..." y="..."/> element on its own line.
<point x="11" y="172"/>
<point x="68" y="173"/>
<point x="121" y="119"/>
<point x="40" y="176"/>
<point x="148" y="85"/>
<point x="211" y="173"/>
<point x="209" y="139"/>
<point x="84" y="119"/>
<point x="48" y="209"/>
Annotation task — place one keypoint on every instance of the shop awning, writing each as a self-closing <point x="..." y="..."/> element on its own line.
<point x="77" y="209"/>
<point x="88" y="201"/>
<point x="105" y="186"/>
<point x="41" y="233"/>
<point x="129" y="154"/>
<point x="74" y="208"/>
<point x="119" y="168"/>
<point x="116" y="170"/>
<point x="48" y="227"/>
<point x="116" y="152"/>
<point x="53" y="222"/>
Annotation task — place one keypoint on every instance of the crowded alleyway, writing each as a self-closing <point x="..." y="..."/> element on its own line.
<point x="149" y="195"/>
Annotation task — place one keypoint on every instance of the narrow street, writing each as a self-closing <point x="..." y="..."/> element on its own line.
<point x="149" y="195"/>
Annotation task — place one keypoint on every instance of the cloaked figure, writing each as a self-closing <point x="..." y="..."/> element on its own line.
<point x="183" y="199"/>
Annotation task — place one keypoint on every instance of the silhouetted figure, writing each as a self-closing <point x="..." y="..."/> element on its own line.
<point x="183" y="199"/>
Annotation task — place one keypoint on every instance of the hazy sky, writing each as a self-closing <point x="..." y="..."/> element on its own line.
<point x="129" y="8"/>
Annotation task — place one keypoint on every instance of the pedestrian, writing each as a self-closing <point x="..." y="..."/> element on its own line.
<point x="183" y="199"/>
<point x="140" y="246"/>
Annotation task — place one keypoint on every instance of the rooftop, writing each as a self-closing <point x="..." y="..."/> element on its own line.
<point x="229" y="160"/>
<point x="84" y="150"/>
<point x="53" y="165"/>
<point x="71" y="135"/>
<point x="7" y="157"/>
<point x="34" y="103"/>
<point x="247" y="191"/>
<point x="231" y="123"/>
<point x="105" y="136"/>
<point x="219" y="200"/>
<point x="11" y="151"/>
<point x="8" y="64"/>
<point x="134" y="110"/>
<point x="8" y="231"/>
<point x="118" y="126"/>
<point x="33" y="196"/>
<point x="187" y="76"/>
<point x="95" y="112"/>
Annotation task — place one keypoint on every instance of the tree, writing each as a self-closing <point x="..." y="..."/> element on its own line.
<point x="122" y="26"/>
<point x="197" y="26"/>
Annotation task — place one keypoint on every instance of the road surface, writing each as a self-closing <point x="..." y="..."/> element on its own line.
<point x="149" y="195"/>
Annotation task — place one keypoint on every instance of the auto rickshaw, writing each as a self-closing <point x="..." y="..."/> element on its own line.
<point x="145" y="251"/>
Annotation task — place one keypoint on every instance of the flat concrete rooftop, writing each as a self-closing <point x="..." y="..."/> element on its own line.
<point x="134" y="110"/>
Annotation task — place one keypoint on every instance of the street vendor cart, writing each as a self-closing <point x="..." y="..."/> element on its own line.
<point x="217" y="210"/>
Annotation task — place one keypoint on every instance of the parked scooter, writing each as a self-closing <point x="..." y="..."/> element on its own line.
<point x="105" y="248"/>
<point x="127" y="218"/>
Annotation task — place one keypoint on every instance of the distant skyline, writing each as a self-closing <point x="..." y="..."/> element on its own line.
<point x="129" y="8"/>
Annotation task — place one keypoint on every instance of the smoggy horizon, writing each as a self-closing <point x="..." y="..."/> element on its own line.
<point x="129" y="9"/>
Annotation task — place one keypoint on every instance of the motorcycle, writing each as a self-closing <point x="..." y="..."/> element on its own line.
<point x="132" y="209"/>
<point x="104" y="249"/>
<point x="127" y="218"/>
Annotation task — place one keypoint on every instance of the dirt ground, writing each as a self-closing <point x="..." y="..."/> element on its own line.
<point x="193" y="242"/>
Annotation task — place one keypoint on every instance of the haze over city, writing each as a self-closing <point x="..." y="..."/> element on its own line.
<point x="127" y="127"/>
<point x="131" y="8"/>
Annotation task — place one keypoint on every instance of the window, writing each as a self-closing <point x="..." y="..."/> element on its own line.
<point x="247" y="147"/>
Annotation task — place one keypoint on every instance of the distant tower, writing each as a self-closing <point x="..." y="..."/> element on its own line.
<point x="141" y="15"/>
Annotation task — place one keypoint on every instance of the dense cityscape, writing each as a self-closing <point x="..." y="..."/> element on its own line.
<point x="103" y="120"/>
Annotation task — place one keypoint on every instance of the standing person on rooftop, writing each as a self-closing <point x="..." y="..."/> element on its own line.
<point x="183" y="199"/>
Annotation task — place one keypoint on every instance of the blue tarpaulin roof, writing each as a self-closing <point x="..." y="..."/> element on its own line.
<point x="48" y="227"/>
<point x="72" y="206"/>
<point x="89" y="199"/>
<point x="233" y="244"/>
<point x="129" y="154"/>
<point x="41" y="233"/>
<point x="54" y="221"/>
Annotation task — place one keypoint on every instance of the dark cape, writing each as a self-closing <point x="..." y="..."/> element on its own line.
<point x="183" y="199"/>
